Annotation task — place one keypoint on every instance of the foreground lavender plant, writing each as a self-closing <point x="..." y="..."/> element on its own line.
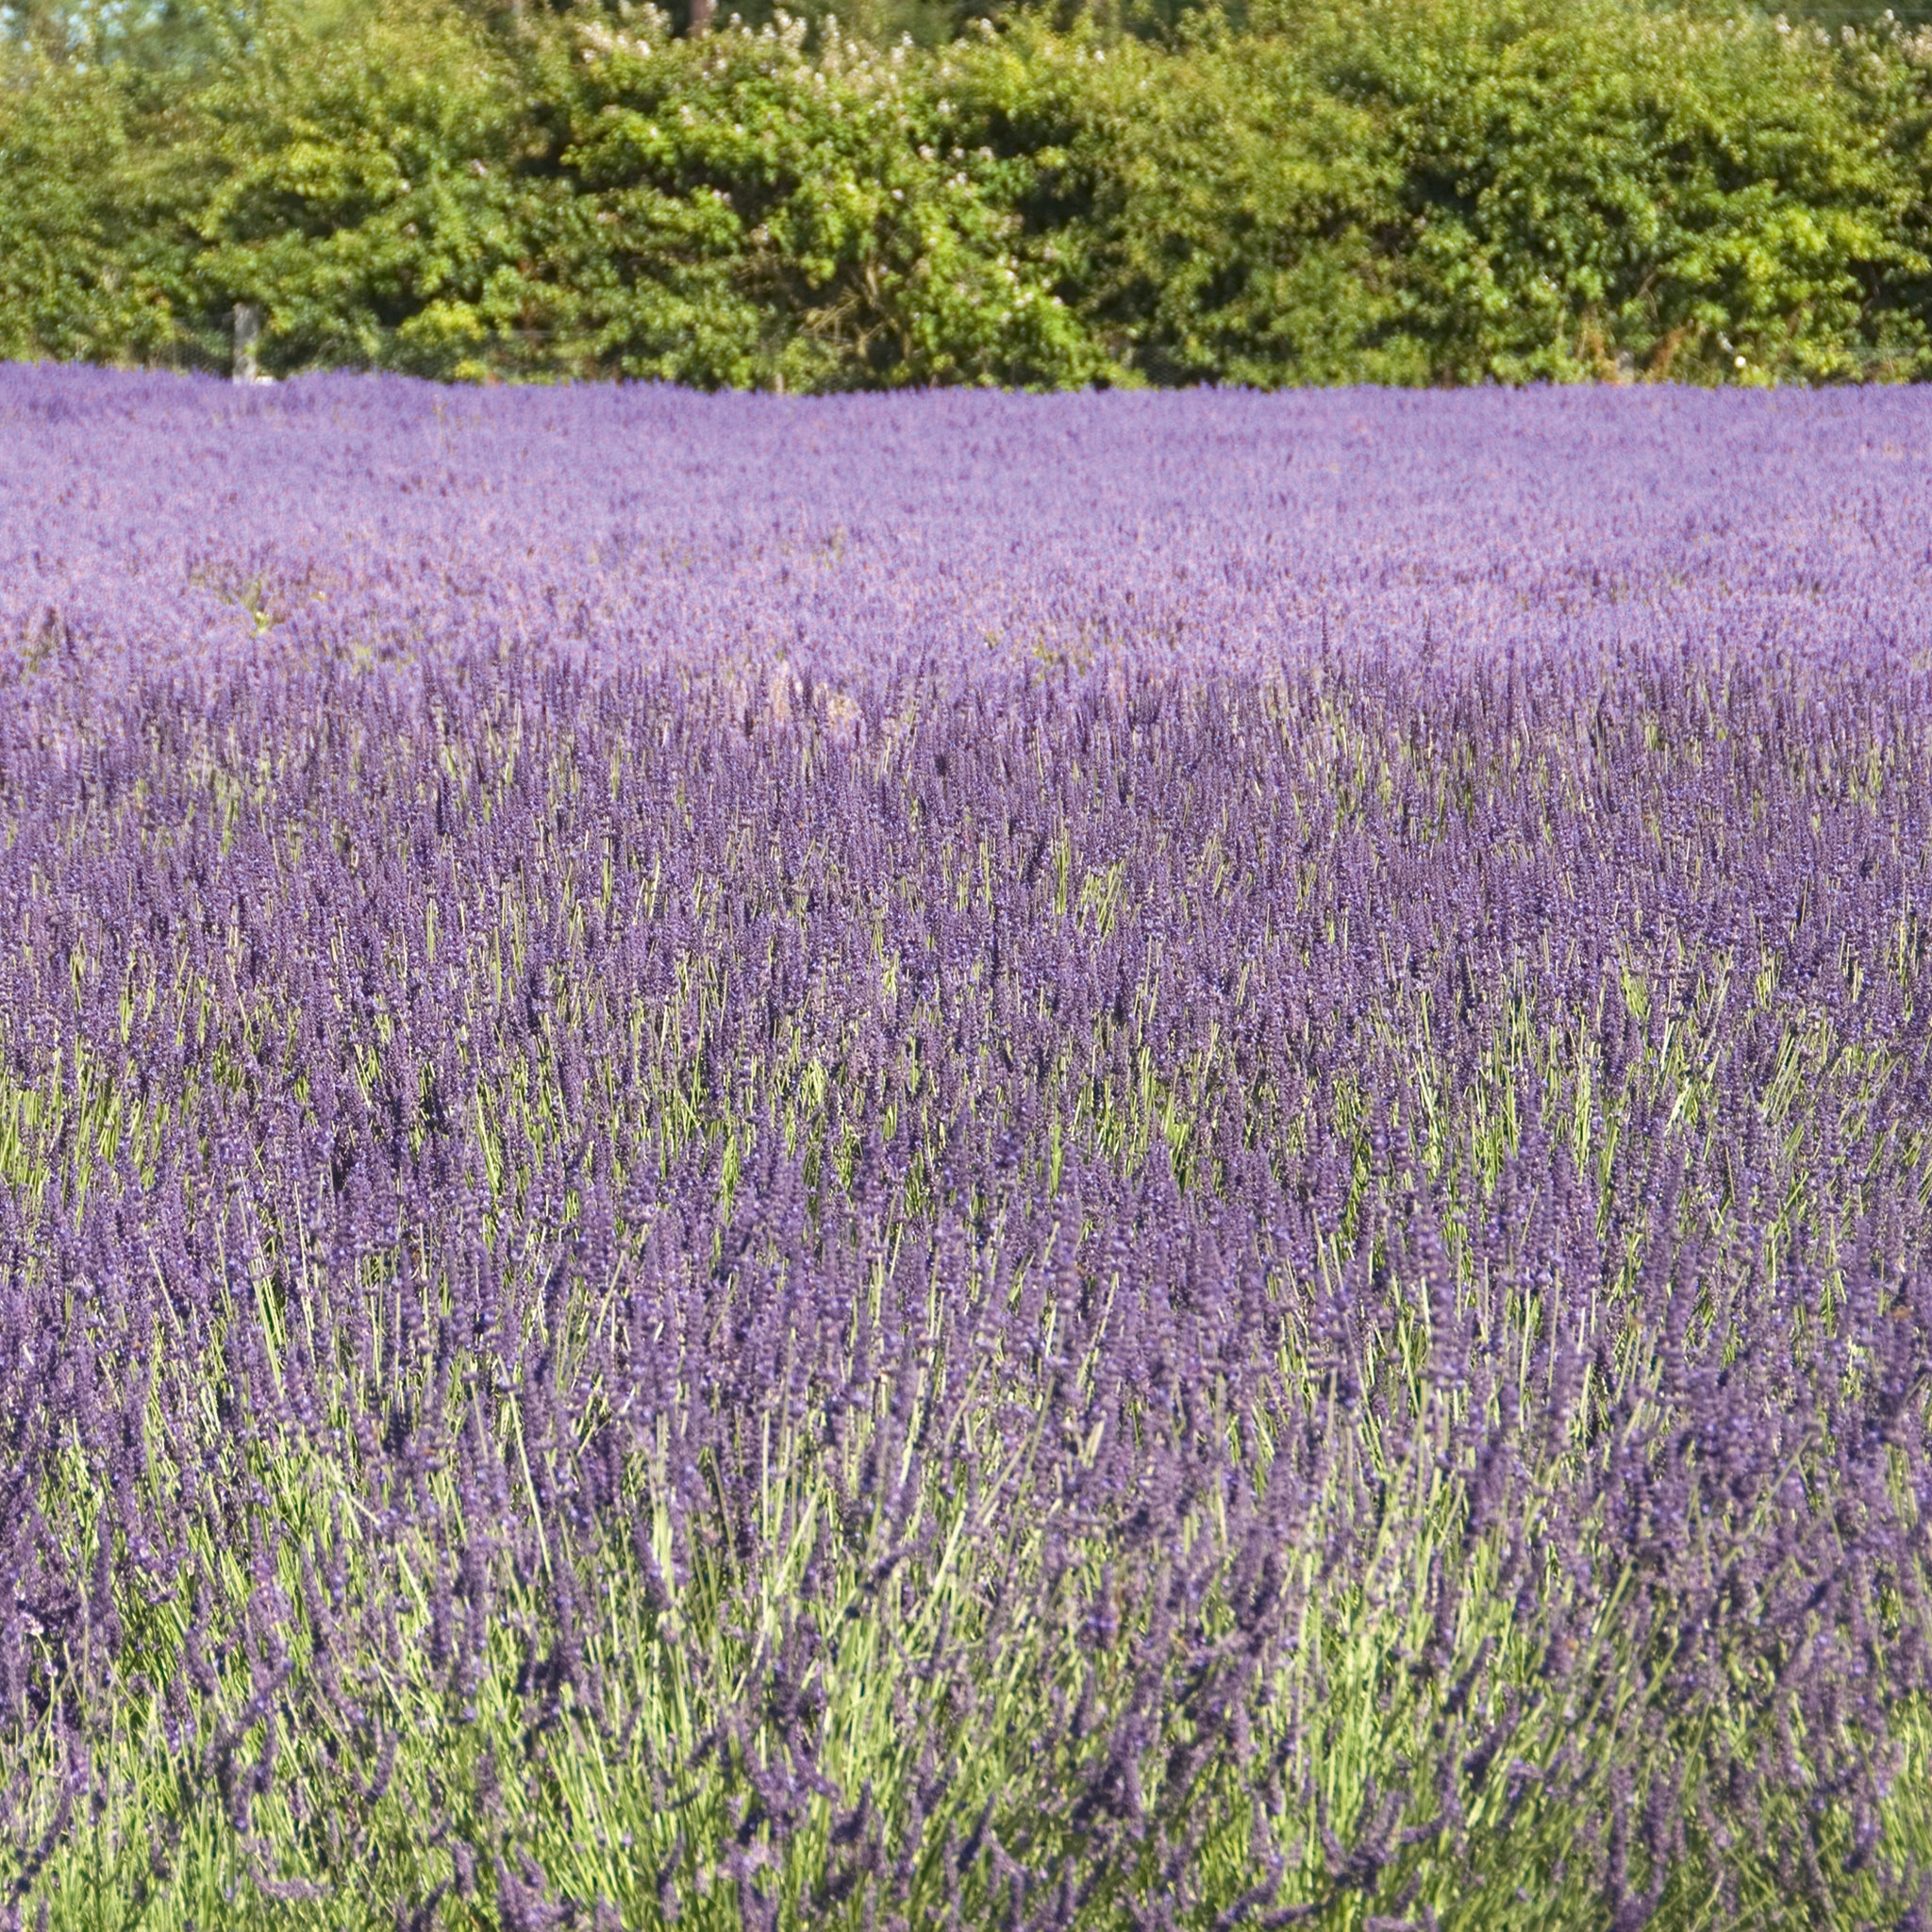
<point x="1027" y="1163"/>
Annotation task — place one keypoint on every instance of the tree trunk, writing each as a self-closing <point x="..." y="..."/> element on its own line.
<point x="247" y="327"/>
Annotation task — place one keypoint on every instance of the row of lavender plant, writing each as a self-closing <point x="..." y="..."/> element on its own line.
<point x="1139" y="1287"/>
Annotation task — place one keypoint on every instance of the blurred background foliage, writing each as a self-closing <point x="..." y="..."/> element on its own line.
<point x="1259" y="191"/>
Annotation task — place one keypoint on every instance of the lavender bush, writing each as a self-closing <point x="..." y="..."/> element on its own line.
<point x="962" y="1161"/>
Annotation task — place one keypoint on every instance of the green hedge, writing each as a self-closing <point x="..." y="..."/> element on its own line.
<point x="1396" y="190"/>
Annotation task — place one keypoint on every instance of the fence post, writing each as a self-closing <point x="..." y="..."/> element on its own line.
<point x="248" y="321"/>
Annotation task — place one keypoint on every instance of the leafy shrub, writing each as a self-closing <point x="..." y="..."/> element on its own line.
<point x="367" y="188"/>
<point x="86" y="270"/>
<point x="1471" y="192"/>
<point x="1481" y="190"/>
<point x="1584" y="183"/>
<point x="747" y="214"/>
<point x="1212" y="213"/>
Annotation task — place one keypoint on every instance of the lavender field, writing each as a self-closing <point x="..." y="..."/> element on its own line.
<point x="963" y="1161"/>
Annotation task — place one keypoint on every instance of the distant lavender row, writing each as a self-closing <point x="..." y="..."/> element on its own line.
<point x="963" y="1161"/>
<point x="159" y="521"/>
